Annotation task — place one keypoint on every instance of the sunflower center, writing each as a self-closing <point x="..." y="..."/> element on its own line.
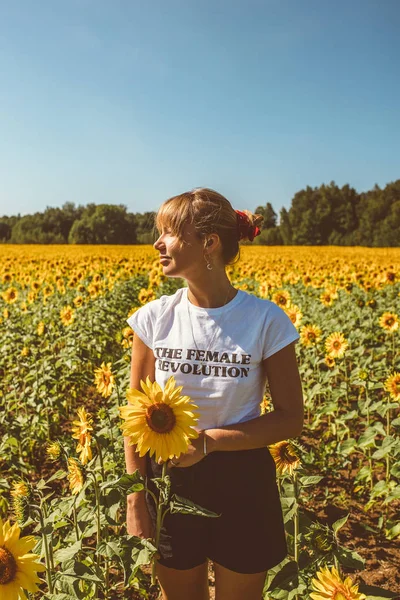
<point x="288" y="456"/>
<point x="8" y="566"/>
<point x="389" y="321"/>
<point x="336" y="345"/>
<point x="160" y="417"/>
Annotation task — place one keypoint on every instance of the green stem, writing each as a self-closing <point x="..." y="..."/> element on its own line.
<point x="46" y="551"/>
<point x="158" y="527"/>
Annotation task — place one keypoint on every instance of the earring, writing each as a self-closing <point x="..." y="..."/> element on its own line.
<point x="209" y="265"/>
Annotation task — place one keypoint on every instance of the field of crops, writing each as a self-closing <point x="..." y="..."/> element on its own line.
<point x="64" y="373"/>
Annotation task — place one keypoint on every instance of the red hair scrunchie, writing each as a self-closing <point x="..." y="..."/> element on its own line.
<point x="244" y="228"/>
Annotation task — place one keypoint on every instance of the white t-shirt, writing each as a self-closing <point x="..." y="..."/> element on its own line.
<point x="229" y="385"/>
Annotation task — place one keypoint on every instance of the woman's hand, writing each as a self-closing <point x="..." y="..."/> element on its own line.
<point x="193" y="455"/>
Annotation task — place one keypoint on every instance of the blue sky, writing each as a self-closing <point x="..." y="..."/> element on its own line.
<point x="128" y="102"/>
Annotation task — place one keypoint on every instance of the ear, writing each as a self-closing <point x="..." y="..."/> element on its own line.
<point x="212" y="241"/>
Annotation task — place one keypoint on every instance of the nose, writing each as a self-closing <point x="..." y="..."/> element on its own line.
<point x="158" y="243"/>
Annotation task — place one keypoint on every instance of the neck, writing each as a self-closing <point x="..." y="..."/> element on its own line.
<point x="212" y="296"/>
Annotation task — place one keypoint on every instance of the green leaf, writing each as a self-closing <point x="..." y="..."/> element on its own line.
<point x="164" y="485"/>
<point x="60" y="474"/>
<point x="310" y="480"/>
<point x="376" y="593"/>
<point x="387" y="445"/>
<point x="339" y="523"/>
<point x="349" y="558"/>
<point x="108" y="548"/>
<point x="64" y="554"/>
<point x="187" y="507"/>
<point x="288" y="573"/>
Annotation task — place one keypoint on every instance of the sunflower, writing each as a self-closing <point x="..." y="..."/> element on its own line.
<point x="75" y="476"/>
<point x="18" y="569"/>
<point x="389" y="321"/>
<point x="40" y="328"/>
<point x="285" y="457"/>
<point x="294" y="313"/>
<point x="22" y="494"/>
<point x="104" y="379"/>
<point x="159" y="421"/>
<point x="329" y="586"/>
<point x="392" y="385"/>
<point x="329" y="361"/>
<point x="265" y="404"/>
<point x="81" y="432"/>
<point x="281" y="298"/>
<point x="67" y="315"/>
<point x="336" y="345"/>
<point x="310" y="334"/>
<point x="53" y="451"/>
<point x="326" y="298"/>
<point x="10" y="295"/>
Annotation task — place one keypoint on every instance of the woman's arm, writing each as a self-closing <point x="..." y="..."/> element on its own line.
<point x="142" y="365"/>
<point x="286" y="421"/>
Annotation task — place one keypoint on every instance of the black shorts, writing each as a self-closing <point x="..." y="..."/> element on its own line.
<point x="248" y="537"/>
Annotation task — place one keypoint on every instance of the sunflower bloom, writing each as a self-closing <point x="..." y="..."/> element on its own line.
<point x="10" y="295"/>
<point x="21" y="493"/>
<point x="281" y="298"/>
<point x="285" y="456"/>
<point x="75" y="476"/>
<point x="310" y="335"/>
<point x="294" y="313"/>
<point x="104" y="379"/>
<point x="53" y="451"/>
<point x="392" y="385"/>
<point x="81" y="432"/>
<point x="328" y="585"/>
<point x="336" y="345"/>
<point x="18" y="568"/>
<point x="159" y="421"/>
<point x="329" y="361"/>
<point x="67" y="315"/>
<point x="389" y="321"/>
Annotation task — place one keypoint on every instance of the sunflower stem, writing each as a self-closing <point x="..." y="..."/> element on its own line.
<point x="47" y="554"/>
<point x="158" y="527"/>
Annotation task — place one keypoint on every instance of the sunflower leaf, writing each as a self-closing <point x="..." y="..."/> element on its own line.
<point x="164" y="485"/>
<point x="187" y="507"/>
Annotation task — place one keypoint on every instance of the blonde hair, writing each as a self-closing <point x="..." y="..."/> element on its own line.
<point x="209" y="212"/>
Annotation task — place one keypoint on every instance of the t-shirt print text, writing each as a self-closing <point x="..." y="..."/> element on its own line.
<point x="178" y="359"/>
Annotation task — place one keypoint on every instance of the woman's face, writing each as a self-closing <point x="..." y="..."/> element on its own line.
<point x="180" y="261"/>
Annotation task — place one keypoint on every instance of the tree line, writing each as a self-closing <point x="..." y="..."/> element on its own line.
<point x="320" y="216"/>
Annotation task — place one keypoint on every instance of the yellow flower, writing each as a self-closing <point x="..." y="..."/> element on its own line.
<point x="159" y="421"/>
<point x="329" y="586"/>
<point x="392" y="385"/>
<point x="67" y="315"/>
<point x="265" y="404"/>
<point x="104" y="379"/>
<point x="18" y="568"/>
<point x="326" y="298"/>
<point x="81" y="432"/>
<point x="310" y="334"/>
<point x="75" y="476"/>
<point x="10" y="296"/>
<point x="40" y="328"/>
<point x="336" y="345"/>
<point x="21" y="493"/>
<point x="285" y="457"/>
<point x="53" y="451"/>
<point x="294" y="313"/>
<point x="389" y="321"/>
<point x="329" y="361"/>
<point x="281" y="298"/>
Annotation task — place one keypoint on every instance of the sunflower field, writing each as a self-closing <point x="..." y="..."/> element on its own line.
<point x="64" y="375"/>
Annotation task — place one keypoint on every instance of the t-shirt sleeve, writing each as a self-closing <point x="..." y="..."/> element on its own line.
<point x="143" y="321"/>
<point x="279" y="331"/>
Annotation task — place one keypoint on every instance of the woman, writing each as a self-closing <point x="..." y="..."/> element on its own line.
<point x="221" y="344"/>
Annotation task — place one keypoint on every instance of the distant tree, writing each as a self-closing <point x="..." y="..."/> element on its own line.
<point x="285" y="228"/>
<point x="269" y="215"/>
<point x="106" y="224"/>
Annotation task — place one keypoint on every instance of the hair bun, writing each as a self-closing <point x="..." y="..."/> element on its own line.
<point x="248" y="224"/>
